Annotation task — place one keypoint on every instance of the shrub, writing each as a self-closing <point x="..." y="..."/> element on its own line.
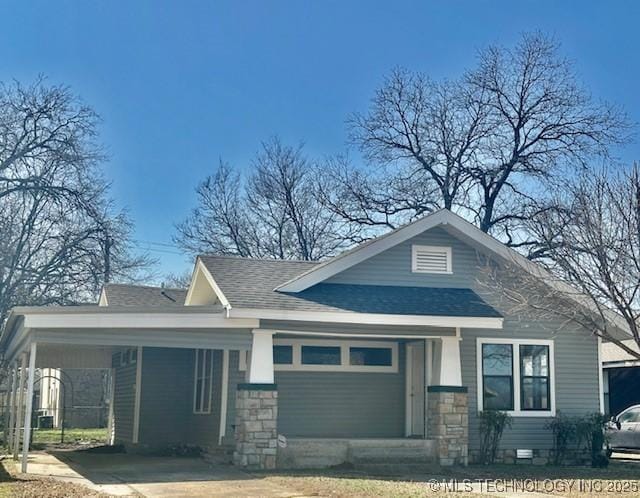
<point x="492" y="425"/>
<point x="586" y="433"/>
<point x="590" y="434"/>
<point x="564" y="431"/>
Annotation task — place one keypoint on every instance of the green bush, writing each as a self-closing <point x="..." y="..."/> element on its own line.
<point x="586" y="433"/>
<point x="492" y="425"/>
<point x="564" y="430"/>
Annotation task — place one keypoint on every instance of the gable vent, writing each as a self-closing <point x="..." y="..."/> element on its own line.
<point x="431" y="259"/>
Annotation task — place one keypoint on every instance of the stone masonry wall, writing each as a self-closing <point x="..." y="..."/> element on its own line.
<point x="256" y="432"/>
<point x="448" y="423"/>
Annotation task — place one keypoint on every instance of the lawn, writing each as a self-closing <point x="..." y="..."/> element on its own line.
<point x="621" y="478"/>
<point x="14" y="485"/>
<point x="47" y="437"/>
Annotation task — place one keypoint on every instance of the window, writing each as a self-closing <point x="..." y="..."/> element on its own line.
<point x="497" y="376"/>
<point x="203" y="381"/>
<point x="282" y="355"/>
<point x="324" y="355"/>
<point x="534" y="377"/>
<point x="517" y="376"/>
<point x="321" y="355"/>
<point x="631" y="416"/>
<point x="431" y="259"/>
<point x="370" y="356"/>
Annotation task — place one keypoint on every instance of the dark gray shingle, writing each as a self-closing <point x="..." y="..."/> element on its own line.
<point x="141" y="295"/>
<point x="250" y="283"/>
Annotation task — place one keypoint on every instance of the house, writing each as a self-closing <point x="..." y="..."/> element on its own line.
<point x="621" y="377"/>
<point x="387" y="351"/>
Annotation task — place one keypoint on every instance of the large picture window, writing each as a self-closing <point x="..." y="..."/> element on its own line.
<point x="203" y="381"/>
<point x="516" y="376"/>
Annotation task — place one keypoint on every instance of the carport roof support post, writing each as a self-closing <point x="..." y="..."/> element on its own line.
<point x="16" y="435"/>
<point x="29" y="410"/>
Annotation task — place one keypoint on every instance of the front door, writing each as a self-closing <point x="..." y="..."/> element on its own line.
<point x="416" y="389"/>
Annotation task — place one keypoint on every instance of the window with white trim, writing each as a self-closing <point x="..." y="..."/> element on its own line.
<point x="202" y="381"/>
<point x="322" y="355"/>
<point x="516" y="376"/>
<point x="431" y="259"/>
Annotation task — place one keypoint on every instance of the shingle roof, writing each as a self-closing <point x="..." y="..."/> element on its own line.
<point x="249" y="283"/>
<point x="141" y="295"/>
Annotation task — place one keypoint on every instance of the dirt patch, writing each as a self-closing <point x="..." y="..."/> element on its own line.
<point x="13" y="484"/>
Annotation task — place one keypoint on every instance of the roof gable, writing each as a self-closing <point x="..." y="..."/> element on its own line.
<point x="358" y="254"/>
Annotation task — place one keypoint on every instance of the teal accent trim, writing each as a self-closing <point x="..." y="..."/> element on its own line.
<point x="447" y="389"/>
<point x="257" y="387"/>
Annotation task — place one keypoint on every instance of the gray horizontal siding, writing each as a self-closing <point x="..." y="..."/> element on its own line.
<point x="576" y="379"/>
<point x="341" y="404"/>
<point x="576" y="365"/>
<point x="393" y="266"/>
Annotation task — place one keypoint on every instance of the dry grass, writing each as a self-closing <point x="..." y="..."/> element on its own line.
<point x="620" y="479"/>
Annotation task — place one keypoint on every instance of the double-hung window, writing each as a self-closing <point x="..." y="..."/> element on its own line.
<point x="497" y="376"/>
<point x="203" y="381"/>
<point x="516" y="376"/>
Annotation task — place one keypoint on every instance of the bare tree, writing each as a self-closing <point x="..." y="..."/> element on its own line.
<point x="488" y="145"/>
<point x="593" y="244"/>
<point x="273" y="213"/>
<point x="60" y="237"/>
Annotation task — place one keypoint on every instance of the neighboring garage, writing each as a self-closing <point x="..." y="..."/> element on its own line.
<point x="621" y="377"/>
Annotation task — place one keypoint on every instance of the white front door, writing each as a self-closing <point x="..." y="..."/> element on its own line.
<point x="415" y="389"/>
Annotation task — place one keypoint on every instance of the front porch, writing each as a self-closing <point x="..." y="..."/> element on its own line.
<point x="288" y="397"/>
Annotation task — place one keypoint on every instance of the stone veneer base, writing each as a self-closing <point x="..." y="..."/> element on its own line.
<point x="256" y="432"/>
<point x="448" y="423"/>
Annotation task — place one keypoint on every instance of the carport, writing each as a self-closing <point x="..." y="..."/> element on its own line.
<point x="87" y="336"/>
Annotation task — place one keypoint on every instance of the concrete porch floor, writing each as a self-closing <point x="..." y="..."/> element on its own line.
<point x="122" y="474"/>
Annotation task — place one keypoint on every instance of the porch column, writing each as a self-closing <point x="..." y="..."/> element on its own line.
<point x="20" y="406"/>
<point x="29" y="409"/>
<point x="12" y="407"/>
<point x="447" y="405"/>
<point x="256" y="433"/>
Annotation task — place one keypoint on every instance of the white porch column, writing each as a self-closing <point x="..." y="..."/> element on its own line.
<point x="450" y="364"/>
<point x="111" y="428"/>
<point x="29" y="410"/>
<point x="20" y="406"/>
<point x="135" y="438"/>
<point x="12" y="407"/>
<point x="261" y="363"/>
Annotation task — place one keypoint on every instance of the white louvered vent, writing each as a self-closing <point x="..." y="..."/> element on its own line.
<point x="431" y="259"/>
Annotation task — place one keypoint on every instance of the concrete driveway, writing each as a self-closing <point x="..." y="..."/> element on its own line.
<point x="122" y="474"/>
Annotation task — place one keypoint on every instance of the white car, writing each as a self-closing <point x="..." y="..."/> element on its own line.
<point x="623" y="433"/>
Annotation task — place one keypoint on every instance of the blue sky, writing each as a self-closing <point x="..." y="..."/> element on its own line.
<point x="181" y="84"/>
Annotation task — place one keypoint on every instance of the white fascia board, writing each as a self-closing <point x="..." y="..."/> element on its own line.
<point x="135" y="320"/>
<point x="202" y="269"/>
<point x="364" y="251"/>
<point x="368" y="318"/>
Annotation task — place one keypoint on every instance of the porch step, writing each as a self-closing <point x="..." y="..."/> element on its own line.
<point x="319" y="453"/>
<point x="218" y="456"/>
<point x="391" y="451"/>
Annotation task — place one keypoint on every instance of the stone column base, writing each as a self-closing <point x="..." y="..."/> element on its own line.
<point x="448" y="423"/>
<point x="256" y="432"/>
